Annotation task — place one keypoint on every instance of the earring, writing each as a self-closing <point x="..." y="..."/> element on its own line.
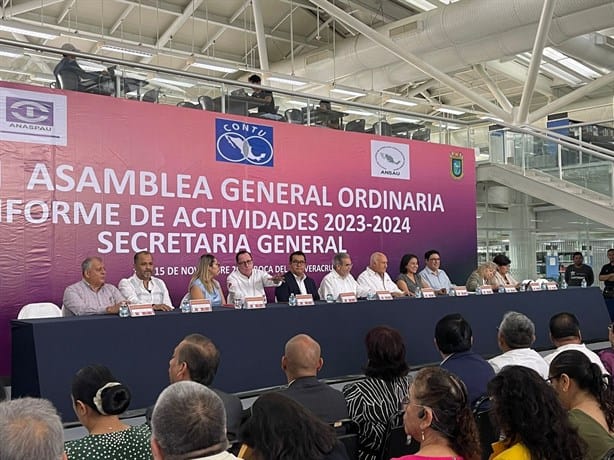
<point x="422" y="435"/>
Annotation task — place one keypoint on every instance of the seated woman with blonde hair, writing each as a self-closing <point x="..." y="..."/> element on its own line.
<point x="203" y="284"/>
<point x="484" y="275"/>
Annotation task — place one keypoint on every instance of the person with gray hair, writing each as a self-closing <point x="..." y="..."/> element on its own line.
<point x="375" y="278"/>
<point x="30" y="428"/>
<point x="91" y="295"/>
<point x="340" y="280"/>
<point x="189" y="421"/>
<point x="515" y="337"/>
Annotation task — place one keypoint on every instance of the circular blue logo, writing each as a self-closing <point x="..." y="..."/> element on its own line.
<point x="236" y="148"/>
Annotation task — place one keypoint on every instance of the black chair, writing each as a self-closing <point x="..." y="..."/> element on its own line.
<point x="383" y="128"/>
<point x="151" y="96"/>
<point x="67" y="79"/>
<point x="206" y="103"/>
<point x="347" y="433"/>
<point x="294" y="116"/>
<point x="357" y="126"/>
<point x="488" y="433"/>
<point x="423" y="134"/>
<point x="396" y="442"/>
<point x="189" y="105"/>
<point x="609" y="455"/>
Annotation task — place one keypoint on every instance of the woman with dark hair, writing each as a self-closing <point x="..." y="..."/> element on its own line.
<point x="530" y="418"/>
<point x="589" y="397"/>
<point x="438" y="415"/>
<point x="203" y="284"/>
<point x="502" y="275"/>
<point x="372" y="401"/>
<point x="409" y="280"/>
<point x="279" y="428"/>
<point x="98" y="399"/>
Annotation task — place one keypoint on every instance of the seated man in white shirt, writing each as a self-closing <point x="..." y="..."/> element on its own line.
<point x="516" y="335"/>
<point x="340" y="280"/>
<point x="247" y="281"/>
<point x="142" y="287"/>
<point x="565" y="335"/>
<point x="433" y="275"/>
<point x="375" y="278"/>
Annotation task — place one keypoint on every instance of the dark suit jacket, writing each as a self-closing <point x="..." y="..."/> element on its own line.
<point x="283" y="291"/>
<point x="233" y="408"/>
<point x="325" y="402"/>
<point x="473" y="370"/>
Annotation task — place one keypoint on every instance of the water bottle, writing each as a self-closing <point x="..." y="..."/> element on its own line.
<point x="583" y="284"/>
<point x="452" y="291"/>
<point x="238" y="303"/>
<point x="185" y="306"/>
<point x="478" y="290"/>
<point x="543" y="286"/>
<point x="523" y="287"/>
<point x="418" y="292"/>
<point x="292" y="300"/>
<point x="501" y="289"/>
<point x="371" y="295"/>
<point x="563" y="284"/>
<point x="124" y="311"/>
<point x="330" y="298"/>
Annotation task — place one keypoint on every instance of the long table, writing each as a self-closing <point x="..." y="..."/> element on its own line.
<point x="47" y="352"/>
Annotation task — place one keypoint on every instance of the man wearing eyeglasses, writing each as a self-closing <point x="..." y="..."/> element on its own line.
<point x="433" y="275"/>
<point x="247" y="281"/>
<point x="295" y="280"/>
<point x="340" y="280"/>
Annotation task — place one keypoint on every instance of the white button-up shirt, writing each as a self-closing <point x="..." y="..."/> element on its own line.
<point x="582" y="349"/>
<point x="241" y="286"/>
<point x="335" y="284"/>
<point x="371" y="280"/>
<point x="526" y="357"/>
<point x="436" y="280"/>
<point x="133" y="289"/>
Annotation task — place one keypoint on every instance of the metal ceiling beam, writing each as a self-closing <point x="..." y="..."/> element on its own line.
<point x="120" y="19"/>
<point x="518" y="73"/>
<point x="179" y="21"/>
<point x="219" y="33"/>
<point x="545" y="20"/>
<point x="67" y="7"/>
<point x="411" y="59"/>
<point x="27" y="7"/>
<point x="494" y="89"/>
<point x="263" y="55"/>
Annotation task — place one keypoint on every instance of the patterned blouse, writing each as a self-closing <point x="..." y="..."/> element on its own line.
<point x="130" y="444"/>
<point x="371" y="402"/>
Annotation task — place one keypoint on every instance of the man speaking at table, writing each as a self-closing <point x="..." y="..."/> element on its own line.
<point x="295" y="280"/>
<point x="247" y="281"/>
<point x="142" y="287"/>
<point x="91" y="295"/>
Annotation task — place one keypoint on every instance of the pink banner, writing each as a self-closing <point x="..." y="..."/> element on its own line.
<point x="88" y="175"/>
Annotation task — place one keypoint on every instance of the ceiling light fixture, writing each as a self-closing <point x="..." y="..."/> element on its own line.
<point x="450" y="111"/>
<point x="26" y="29"/>
<point x="292" y="80"/>
<point x="401" y="102"/>
<point x="122" y="48"/>
<point x="346" y="91"/>
<point x="422" y="4"/>
<point x="10" y="52"/>
<point x="216" y="66"/>
<point x="181" y="84"/>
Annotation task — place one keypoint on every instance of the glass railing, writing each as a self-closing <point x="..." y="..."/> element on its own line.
<point x="573" y="159"/>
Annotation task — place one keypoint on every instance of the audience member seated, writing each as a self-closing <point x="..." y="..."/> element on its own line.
<point x="196" y="358"/>
<point x="565" y="335"/>
<point x="438" y="415"/>
<point x="247" y="281"/>
<point x="91" y="295"/>
<point x="409" y="280"/>
<point x="143" y="287"/>
<point x="375" y="278"/>
<point x="333" y="123"/>
<point x="80" y="80"/>
<point x="372" y="401"/>
<point x="301" y="363"/>
<point x="502" y="275"/>
<point x="203" y="284"/>
<point x="340" y="279"/>
<point x="588" y="395"/>
<point x="30" y="428"/>
<point x="98" y="400"/>
<point x="607" y="355"/>
<point x="578" y="271"/>
<point x="188" y="422"/>
<point x="515" y="337"/>
<point x="484" y="275"/>
<point x="454" y="339"/>
<point x="295" y="280"/>
<point x="433" y="275"/>
<point x="532" y="422"/>
<point x="279" y="428"/>
<point x="267" y="109"/>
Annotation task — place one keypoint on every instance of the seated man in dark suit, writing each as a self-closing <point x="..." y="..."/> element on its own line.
<point x="295" y="280"/>
<point x="301" y="363"/>
<point x="69" y="74"/>
<point x="454" y="338"/>
<point x="196" y="358"/>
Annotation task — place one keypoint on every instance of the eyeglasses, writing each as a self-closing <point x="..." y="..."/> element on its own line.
<point x="246" y="262"/>
<point x="298" y="262"/>
<point x="554" y="377"/>
<point x="433" y="259"/>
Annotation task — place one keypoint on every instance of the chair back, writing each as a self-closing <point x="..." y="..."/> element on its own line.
<point x="294" y="116"/>
<point x="383" y="128"/>
<point x="356" y="125"/>
<point x="207" y="103"/>
<point x="423" y="134"/>
<point x="67" y="79"/>
<point x="609" y="455"/>
<point x="189" y="105"/>
<point x="39" y="310"/>
<point x="347" y="434"/>
<point x="396" y="442"/>
<point x="151" y="95"/>
<point x="486" y="430"/>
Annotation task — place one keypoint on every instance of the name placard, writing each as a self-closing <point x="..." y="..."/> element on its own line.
<point x="461" y="291"/>
<point x="509" y="289"/>
<point x="534" y="286"/>
<point x="383" y="295"/>
<point x="304" y="300"/>
<point x="428" y="293"/>
<point x="200" y="305"/>
<point x="252" y="303"/>
<point x="551" y="286"/>
<point x="486" y="289"/>
<point x="138" y="310"/>
<point x="348" y="297"/>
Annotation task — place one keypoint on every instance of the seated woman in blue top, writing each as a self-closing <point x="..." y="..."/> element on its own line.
<point x="204" y="285"/>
